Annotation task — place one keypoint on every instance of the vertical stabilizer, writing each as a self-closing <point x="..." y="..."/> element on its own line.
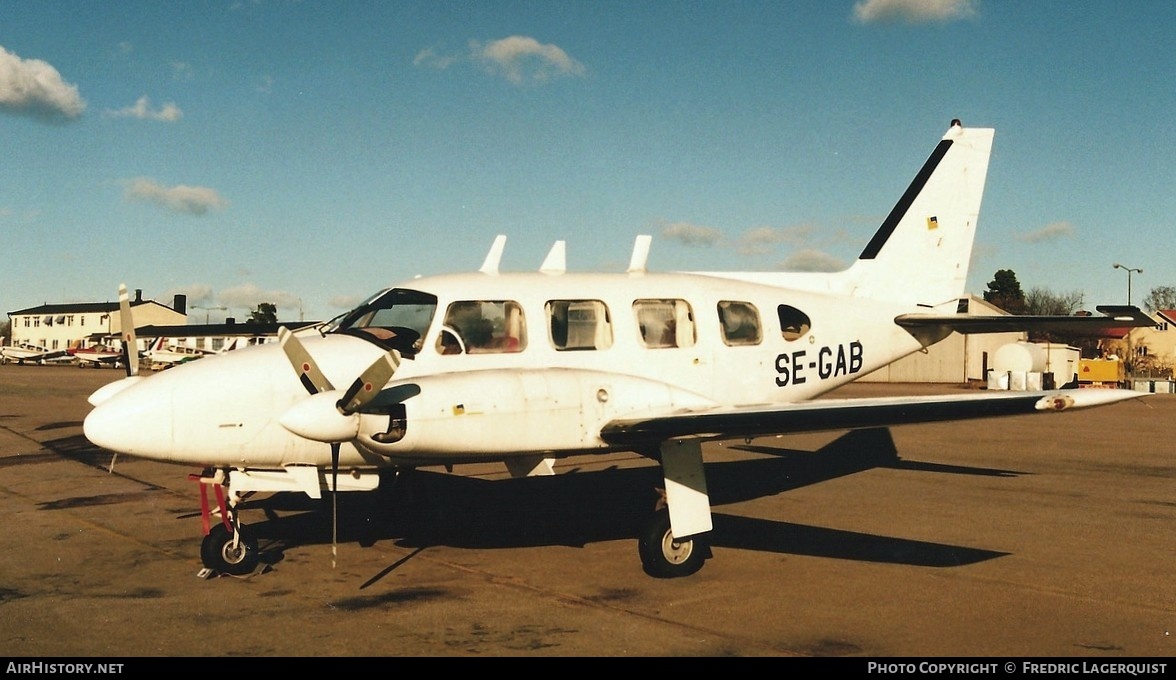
<point x="920" y="254"/>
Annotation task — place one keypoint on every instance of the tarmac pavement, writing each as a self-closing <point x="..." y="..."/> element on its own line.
<point x="1026" y="536"/>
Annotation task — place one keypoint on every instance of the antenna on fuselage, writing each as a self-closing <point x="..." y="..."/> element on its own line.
<point x="557" y="260"/>
<point x="494" y="257"/>
<point x="640" y="253"/>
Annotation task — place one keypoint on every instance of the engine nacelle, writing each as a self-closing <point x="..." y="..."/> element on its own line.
<point x="488" y="413"/>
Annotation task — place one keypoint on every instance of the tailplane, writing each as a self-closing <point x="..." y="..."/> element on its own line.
<point x="920" y="254"/>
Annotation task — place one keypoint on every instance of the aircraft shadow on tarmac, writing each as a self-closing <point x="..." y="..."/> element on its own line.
<point x="422" y="508"/>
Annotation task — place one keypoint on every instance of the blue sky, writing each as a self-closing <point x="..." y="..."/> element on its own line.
<point x="310" y="152"/>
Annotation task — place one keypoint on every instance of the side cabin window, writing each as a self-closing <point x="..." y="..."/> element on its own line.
<point x="665" y="323"/>
<point x="579" y="324"/>
<point x="794" y="324"/>
<point x="740" y="323"/>
<point x="483" y="327"/>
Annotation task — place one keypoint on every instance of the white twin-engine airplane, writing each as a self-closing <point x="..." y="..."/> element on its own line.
<point x="163" y="354"/>
<point x="527" y="368"/>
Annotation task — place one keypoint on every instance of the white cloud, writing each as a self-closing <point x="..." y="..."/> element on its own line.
<point x="913" y="11"/>
<point x="180" y="198"/>
<point x="522" y="59"/>
<point x="1050" y="232"/>
<point x="168" y="113"/>
<point x="181" y="70"/>
<point x="761" y="239"/>
<point x="812" y="261"/>
<point x="248" y="296"/>
<point x="196" y="294"/>
<point x="430" y="57"/>
<point x="519" y="59"/>
<point x="33" y="88"/>
<point x="691" y="234"/>
<point x="345" y="301"/>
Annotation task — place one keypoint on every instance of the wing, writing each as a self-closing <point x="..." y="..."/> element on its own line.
<point x="1115" y="316"/>
<point x="650" y="429"/>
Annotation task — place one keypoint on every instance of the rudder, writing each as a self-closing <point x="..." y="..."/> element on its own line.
<point x="920" y="253"/>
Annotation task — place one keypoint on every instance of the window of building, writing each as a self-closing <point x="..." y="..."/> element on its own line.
<point x="665" y="323"/>
<point x="579" y="324"/>
<point x="740" y="323"/>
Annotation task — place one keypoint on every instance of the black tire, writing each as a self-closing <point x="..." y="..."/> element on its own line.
<point x="662" y="556"/>
<point x="219" y="554"/>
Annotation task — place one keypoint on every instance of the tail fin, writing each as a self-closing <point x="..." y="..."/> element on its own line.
<point x="920" y="253"/>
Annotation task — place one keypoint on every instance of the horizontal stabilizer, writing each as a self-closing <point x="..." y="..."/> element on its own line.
<point x="1115" y="316"/>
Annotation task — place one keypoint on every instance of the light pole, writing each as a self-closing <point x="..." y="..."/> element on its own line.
<point x="1130" y="356"/>
<point x="1129" y="271"/>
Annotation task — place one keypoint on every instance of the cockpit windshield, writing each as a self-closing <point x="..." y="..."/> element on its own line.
<point x="396" y="318"/>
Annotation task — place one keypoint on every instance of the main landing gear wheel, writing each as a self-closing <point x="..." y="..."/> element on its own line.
<point x="220" y="552"/>
<point x="663" y="556"/>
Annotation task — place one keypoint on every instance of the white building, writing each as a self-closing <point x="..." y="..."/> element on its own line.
<point x="86" y="324"/>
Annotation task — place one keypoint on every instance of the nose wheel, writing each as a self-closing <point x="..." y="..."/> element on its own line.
<point x="226" y="548"/>
<point x="229" y="552"/>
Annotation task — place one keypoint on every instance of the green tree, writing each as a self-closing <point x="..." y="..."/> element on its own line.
<point x="266" y="312"/>
<point x="1005" y="292"/>
<point x="6" y="331"/>
<point x="1160" y="298"/>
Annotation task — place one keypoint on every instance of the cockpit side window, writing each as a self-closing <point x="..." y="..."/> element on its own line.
<point x="665" y="323"/>
<point x="740" y="323"/>
<point x="483" y="327"/>
<point x="579" y="324"/>
<point x="794" y="324"/>
<point x="395" y="319"/>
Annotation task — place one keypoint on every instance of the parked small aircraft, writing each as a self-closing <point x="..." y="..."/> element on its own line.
<point x="163" y="354"/>
<point x="528" y="368"/>
<point x="29" y="353"/>
<point x="97" y="356"/>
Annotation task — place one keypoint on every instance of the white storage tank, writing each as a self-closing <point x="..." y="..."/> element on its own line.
<point x="1019" y="357"/>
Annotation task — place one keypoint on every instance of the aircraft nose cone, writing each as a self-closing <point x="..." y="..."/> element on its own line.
<point x="135" y="421"/>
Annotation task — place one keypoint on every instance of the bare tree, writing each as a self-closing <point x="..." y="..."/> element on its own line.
<point x="1045" y="301"/>
<point x="1160" y="298"/>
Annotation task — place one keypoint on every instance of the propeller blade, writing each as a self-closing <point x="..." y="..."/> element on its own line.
<point x="130" y="351"/>
<point x="308" y="372"/>
<point x="367" y="386"/>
